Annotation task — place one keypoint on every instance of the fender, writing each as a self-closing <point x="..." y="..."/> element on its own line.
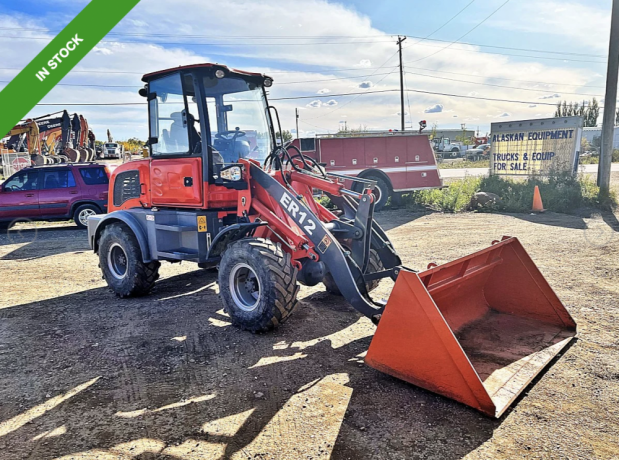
<point x="377" y="173"/>
<point x="128" y="219"/>
<point x="229" y="234"/>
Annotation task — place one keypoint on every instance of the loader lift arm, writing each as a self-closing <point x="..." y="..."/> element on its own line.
<point x="346" y="269"/>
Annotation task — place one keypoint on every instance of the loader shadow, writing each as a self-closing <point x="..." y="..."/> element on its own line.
<point x="166" y="375"/>
<point x="43" y="242"/>
<point x="391" y="218"/>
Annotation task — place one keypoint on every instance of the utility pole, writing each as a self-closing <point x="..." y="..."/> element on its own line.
<point x="610" y="102"/>
<point x="400" y="40"/>
<point x="296" y="115"/>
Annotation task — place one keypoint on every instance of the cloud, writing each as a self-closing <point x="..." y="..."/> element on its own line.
<point x="455" y="116"/>
<point x="365" y="63"/>
<point x="473" y="94"/>
<point x="436" y="108"/>
<point x="504" y="114"/>
<point x="551" y="96"/>
<point x="330" y="103"/>
<point x="532" y="105"/>
<point x="315" y="104"/>
<point x="323" y="91"/>
<point x="366" y="84"/>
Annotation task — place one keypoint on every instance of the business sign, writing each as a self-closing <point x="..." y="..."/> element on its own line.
<point x="535" y="147"/>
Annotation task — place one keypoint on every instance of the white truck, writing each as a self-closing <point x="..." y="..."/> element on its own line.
<point x="112" y="150"/>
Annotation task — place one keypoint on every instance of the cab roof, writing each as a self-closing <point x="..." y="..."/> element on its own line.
<point x="147" y="77"/>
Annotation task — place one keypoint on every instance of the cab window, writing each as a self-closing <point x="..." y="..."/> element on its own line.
<point x="23" y="181"/>
<point x="168" y="117"/>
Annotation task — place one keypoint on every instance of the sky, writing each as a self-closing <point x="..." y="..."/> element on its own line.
<point x="465" y="61"/>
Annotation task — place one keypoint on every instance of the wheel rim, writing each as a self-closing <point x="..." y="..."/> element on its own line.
<point x="117" y="261"/>
<point x="378" y="193"/>
<point x="84" y="215"/>
<point x="244" y="287"/>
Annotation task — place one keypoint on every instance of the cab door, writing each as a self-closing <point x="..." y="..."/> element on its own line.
<point x="19" y="196"/>
<point x="57" y="191"/>
<point x="176" y="146"/>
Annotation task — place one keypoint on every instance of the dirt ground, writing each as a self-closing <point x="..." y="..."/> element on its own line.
<point x="84" y="375"/>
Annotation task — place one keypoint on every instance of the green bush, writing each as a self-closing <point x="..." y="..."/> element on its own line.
<point x="560" y="193"/>
<point x="454" y="198"/>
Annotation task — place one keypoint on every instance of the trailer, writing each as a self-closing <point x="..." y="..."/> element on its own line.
<point x="397" y="161"/>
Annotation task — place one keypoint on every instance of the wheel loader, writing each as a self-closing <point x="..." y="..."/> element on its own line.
<point x="218" y="190"/>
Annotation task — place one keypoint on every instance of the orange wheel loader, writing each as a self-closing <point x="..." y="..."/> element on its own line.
<point x="218" y="190"/>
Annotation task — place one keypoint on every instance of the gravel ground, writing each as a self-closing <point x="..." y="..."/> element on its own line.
<point x="85" y="375"/>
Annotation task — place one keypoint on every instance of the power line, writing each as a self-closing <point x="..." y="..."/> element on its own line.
<point x="506" y="54"/>
<point x="462" y="36"/>
<point x="351" y="43"/>
<point x="506" y="79"/>
<point x="312" y="37"/>
<point x="498" y="86"/>
<point x="329" y="95"/>
<point x="441" y="27"/>
<point x="212" y="44"/>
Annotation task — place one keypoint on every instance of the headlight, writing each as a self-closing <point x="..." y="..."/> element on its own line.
<point x="268" y="82"/>
<point x="233" y="173"/>
<point x="220" y="73"/>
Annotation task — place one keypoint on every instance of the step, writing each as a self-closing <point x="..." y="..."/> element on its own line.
<point x="177" y="255"/>
<point x="176" y="228"/>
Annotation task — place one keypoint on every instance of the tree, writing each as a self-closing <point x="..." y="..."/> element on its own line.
<point x="287" y="135"/>
<point x="589" y="110"/>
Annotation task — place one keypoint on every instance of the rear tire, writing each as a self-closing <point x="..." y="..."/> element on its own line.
<point x="120" y="259"/>
<point x="81" y="214"/>
<point x="374" y="266"/>
<point x="257" y="284"/>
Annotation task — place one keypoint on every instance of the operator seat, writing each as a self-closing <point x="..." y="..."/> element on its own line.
<point x="178" y="134"/>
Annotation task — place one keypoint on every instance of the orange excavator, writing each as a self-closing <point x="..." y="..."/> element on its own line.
<point x="477" y="329"/>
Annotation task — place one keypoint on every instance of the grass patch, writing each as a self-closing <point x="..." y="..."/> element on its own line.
<point x="454" y="198"/>
<point x="464" y="164"/>
<point x="560" y="193"/>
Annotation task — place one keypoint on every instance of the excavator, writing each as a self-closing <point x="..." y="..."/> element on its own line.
<point x="24" y="138"/>
<point x="477" y="329"/>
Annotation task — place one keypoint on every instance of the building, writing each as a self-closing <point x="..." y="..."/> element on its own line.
<point x="592" y="133"/>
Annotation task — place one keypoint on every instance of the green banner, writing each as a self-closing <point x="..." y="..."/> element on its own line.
<point x="56" y="60"/>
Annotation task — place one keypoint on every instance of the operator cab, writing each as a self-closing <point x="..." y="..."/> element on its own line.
<point x="209" y="111"/>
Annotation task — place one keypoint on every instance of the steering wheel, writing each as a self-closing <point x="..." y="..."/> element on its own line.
<point x="229" y="135"/>
<point x="15" y="188"/>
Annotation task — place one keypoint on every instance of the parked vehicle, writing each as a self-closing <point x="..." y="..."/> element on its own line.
<point x="481" y="152"/>
<point x="446" y="148"/>
<point x="112" y="150"/>
<point x="55" y="192"/>
<point x="398" y="162"/>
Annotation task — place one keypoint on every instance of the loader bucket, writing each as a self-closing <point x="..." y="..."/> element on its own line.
<point x="476" y="330"/>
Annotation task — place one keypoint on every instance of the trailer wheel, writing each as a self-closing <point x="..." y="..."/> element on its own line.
<point x="81" y="214"/>
<point x="382" y="191"/>
<point x="257" y="284"/>
<point x="374" y="266"/>
<point x="120" y="260"/>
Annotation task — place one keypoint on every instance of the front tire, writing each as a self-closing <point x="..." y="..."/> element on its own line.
<point x="81" y="215"/>
<point x="257" y="284"/>
<point x="120" y="259"/>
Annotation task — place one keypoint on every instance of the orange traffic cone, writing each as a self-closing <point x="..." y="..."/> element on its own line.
<point x="538" y="206"/>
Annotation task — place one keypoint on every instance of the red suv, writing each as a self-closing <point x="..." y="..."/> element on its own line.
<point x="57" y="192"/>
